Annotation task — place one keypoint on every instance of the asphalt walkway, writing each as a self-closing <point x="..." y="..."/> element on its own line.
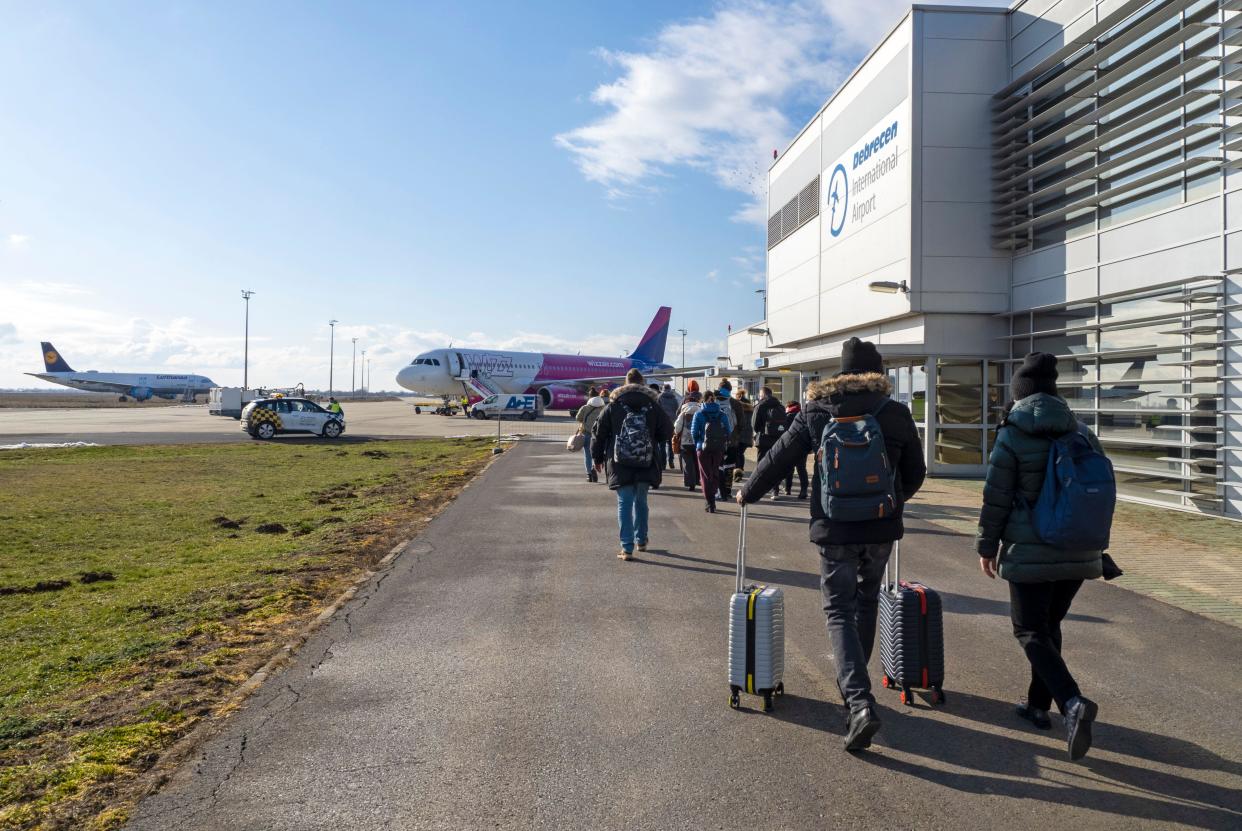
<point x="509" y="672"/>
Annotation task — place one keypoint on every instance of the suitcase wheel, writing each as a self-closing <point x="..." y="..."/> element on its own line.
<point x="734" y="702"/>
<point x="937" y="696"/>
<point x="907" y="697"/>
<point x="767" y="702"/>
<point x="885" y="682"/>
<point x="780" y="688"/>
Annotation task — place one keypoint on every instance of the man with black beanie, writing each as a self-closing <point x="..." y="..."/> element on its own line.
<point x="1042" y="579"/>
<point x="852" y="554"/>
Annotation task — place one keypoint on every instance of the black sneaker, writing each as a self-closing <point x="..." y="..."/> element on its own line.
<point x="1034" y="715"/>
<point x="863" y="724"/>
<point x="1079" y="713"/>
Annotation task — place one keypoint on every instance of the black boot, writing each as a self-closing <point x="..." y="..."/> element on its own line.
<point x="863" y="724"/>
<point x="1034" y="715"/>
<point x="1079" y="714"/>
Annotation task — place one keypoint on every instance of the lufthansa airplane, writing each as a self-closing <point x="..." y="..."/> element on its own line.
<point x="561" y="381"/>
<point x="139" y="386"/>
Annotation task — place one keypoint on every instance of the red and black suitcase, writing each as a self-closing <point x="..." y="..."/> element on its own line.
<point x="911" y="635"/>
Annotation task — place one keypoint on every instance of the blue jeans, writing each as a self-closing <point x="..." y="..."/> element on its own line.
<point x="632" y="514"/>
<point x="586" y="451"/>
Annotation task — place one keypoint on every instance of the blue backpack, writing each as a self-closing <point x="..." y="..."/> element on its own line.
<point x="854" y="470"/>
<point x="1075" y="507"/>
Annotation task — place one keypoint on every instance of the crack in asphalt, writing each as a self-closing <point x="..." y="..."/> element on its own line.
<point x="293" y="694"/>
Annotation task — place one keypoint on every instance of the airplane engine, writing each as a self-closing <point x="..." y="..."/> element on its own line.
<point x="561" y="398"/>
<point x="140" y="393"/>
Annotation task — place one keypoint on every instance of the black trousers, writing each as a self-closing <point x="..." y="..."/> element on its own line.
<point x="800" y="467"/>
<point x="765" y="444"/>
<point x="1037" y="610"/>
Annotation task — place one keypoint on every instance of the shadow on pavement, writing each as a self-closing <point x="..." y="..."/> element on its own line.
<point x="755" y="574"/>
<point x="963" y="604"/>
<point x="810" y="713"/>
<point x="1013" y="767"/>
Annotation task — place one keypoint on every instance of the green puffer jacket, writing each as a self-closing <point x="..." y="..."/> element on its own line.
<point x="1016" y="468"/>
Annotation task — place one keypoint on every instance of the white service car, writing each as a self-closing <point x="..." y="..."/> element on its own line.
<point x="525" y="407"/>
<point x="264" y="418"/>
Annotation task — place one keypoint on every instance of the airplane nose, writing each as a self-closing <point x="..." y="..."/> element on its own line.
<point x="408" y="377"/>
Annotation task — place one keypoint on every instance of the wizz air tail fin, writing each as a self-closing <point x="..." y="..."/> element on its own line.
<point x="52" y="362"/>
<point x="650" y="349"/>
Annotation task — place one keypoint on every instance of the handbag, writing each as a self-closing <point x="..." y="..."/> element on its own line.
<point x="676" y="442"/>
<point x="575" y="443"/>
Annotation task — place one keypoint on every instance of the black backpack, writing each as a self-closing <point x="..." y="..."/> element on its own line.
<point x="634" y="447"/>
<point x="774" y="421"/>
<point x="715" y="437"/>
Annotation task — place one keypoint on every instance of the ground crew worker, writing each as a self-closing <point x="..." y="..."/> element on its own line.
<point x="465" y="406"/>
<point x="335" y="408"/>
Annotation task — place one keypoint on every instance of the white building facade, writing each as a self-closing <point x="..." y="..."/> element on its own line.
<point x="1055" y="176"/>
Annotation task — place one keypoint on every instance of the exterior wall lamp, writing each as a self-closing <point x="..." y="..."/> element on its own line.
<point x="889" y="287"/>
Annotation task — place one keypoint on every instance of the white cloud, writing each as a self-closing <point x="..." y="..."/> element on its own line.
<point x="18" y="240"/>
<point x="8" y="333"/>
<point x="713" y="275"/>
<point x="719" y="93"/>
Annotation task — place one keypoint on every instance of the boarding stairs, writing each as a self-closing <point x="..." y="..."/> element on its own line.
<point x="478" y="383"/>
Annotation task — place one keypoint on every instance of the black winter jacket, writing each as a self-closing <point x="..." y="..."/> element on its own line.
<point x="608" y="425"/>
<point x="764" y="411"/>
<point x="846" y="395"/>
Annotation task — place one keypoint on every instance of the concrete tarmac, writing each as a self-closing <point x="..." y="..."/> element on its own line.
<point x="192" y="423"/>
<point x="509" y="672"/>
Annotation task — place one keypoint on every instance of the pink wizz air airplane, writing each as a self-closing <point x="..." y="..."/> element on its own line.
<point x="561" y="381"/>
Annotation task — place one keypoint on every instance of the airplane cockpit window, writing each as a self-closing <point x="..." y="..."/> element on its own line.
<point x="436" y="361"/>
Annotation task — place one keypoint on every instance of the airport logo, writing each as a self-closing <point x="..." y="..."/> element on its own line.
<point x="838" y="200"/>
<point x="875" y="145"/>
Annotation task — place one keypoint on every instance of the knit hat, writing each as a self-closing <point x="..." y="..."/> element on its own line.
<point x="1038" y="373"/>
<point x="859" y="357"/>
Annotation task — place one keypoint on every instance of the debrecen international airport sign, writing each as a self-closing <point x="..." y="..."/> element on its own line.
<point x="869" y="181"/>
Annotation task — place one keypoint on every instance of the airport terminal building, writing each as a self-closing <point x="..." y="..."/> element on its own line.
<point x="1055" y="176"/>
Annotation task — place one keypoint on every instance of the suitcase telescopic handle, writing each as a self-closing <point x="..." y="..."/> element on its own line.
<point x="896" y="558"/>
<point x="741" y="551"/>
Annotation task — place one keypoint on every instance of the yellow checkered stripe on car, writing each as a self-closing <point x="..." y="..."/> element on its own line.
<point x="260" y="415"/>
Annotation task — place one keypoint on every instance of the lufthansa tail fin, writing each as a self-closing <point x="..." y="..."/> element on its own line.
<point x="650" y="349"/>
<point x="52" y="362"/>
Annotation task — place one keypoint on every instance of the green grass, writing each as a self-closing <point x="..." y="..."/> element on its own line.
<point x="129" y="608"/>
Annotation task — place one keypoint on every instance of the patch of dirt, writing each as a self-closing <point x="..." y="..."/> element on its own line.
<point x="271" y="528"/>
<point x="89" y="577"/>
<point x="374" y="454"/>
<point x="225" y="522"/>
<point x="37" y="588"/>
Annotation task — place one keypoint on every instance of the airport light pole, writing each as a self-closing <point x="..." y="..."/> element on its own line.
<point x="246" y="294"/>
<point x="331" y="352"/>
<point x="364" y="372"/>
<point x="353" y="364"/>
<point x="682" y="332"/>
<point x="764" y="292"/>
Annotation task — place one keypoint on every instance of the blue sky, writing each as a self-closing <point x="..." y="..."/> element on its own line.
<point x="535" y="175"/>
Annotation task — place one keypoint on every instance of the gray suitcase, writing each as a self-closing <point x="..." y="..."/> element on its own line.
<point x="756" y="635"/>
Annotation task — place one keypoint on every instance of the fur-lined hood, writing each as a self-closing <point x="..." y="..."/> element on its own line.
<point x="643" y="388"/>
<point x="825" y="388"/>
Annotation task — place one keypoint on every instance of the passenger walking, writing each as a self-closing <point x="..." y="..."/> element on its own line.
<point x="736" y="416"/>
<point x="627" y="434"/>
<point x="710" y="429"/>
<point x="586" y="417"/>
<point x="684" y="433"/>
<point x="670" y="405"/>
<point x="1043" y="579"/>
<point x="768" y="425"/>
<point x="791" y="412"/>
<point x="853" y="552"/>
<point x="746" y="437"/>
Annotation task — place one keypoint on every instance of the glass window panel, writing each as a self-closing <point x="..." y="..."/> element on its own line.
<point x="1142" y="203"/>
<point x="1021" y="324"/>
<point x="1145" y="487"/>
<point x="959" y="393"/>
<point x="1143" y="369"/>
<point x="1144" y="426"/>
<point x="959" y="447"/>
<point x="1058" y="319"/>
<point x="1130" y="309"/>
<point x="1154" y="336"/>
<point x="1146" y="458"/>
<point x="991" y="440"/>
<point x="997" y="392"/>
<point x="1141" y="396"/>
<point x="1078" y="398"/>
<point x="1082" y="343"/>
